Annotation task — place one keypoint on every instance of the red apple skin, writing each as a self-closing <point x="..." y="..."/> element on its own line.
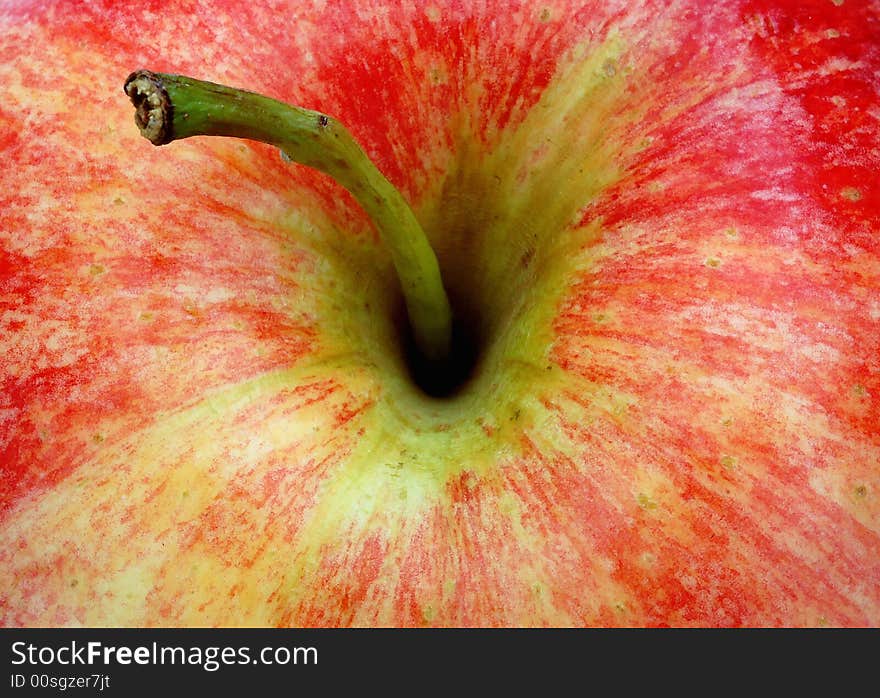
<point x="198" y="428"/>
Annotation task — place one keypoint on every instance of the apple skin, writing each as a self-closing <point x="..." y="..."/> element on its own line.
<point x="662" y="218"/>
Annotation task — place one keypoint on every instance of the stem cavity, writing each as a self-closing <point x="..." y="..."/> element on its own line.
<point x="173" y="107"/>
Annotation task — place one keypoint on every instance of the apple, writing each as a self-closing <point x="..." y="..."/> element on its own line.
<point x="658" y="227"/>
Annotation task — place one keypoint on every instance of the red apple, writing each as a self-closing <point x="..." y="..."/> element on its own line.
<point x="660" y="223"/>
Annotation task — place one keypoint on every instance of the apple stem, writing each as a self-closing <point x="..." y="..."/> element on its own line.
<point x="172" y="107"/>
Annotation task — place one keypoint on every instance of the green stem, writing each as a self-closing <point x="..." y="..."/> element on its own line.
<point x="171" y="107"/>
